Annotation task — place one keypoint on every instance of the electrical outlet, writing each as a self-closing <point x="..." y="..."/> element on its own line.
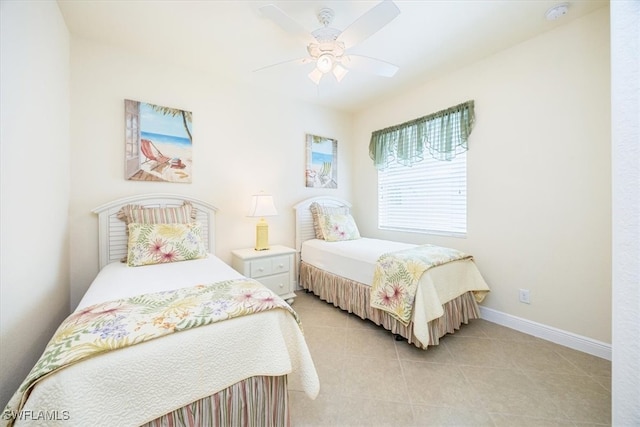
<point x="524" y="296"/>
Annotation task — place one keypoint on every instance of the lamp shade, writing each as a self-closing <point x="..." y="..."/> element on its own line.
<point x="262" y="205"/>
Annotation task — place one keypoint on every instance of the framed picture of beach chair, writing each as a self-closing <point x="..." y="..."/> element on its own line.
<point x="322" y="162"/>
<point x="158" y="143"/>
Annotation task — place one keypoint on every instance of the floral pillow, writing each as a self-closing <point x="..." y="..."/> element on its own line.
<point x="339" y="227"/>
<point x="317" y="210"/>
<point x="160" y="243"/>
<point x="168" y="215"/>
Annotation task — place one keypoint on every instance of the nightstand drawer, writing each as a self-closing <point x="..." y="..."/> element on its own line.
<point x="261" y="267"/>
<point x="280" y="264"/>
<point x="278" y="283"/>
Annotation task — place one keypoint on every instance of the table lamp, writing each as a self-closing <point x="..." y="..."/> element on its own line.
<point x="261" y="206"/>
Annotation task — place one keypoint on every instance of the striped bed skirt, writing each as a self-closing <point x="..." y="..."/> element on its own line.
<point x="256" y="401"/>
<point x="354" y="297"/>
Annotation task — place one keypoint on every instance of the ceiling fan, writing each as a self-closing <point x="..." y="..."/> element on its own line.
<point x="328" y="47"/>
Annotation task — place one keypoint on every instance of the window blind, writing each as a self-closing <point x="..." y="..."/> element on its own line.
<point x="428" y="197"/>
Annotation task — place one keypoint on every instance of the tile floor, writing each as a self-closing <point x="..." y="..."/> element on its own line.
<point x="484" y="375"/>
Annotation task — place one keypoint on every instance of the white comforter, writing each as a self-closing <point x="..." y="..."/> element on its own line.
<point x="132" y="386"/>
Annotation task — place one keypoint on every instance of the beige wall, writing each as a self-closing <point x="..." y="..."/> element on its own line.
<point x="34" y="144"/>
<point x="244" y="141"/>
<point x="539" y="173"/>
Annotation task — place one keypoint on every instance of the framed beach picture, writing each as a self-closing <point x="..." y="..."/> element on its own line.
<point x="158" y="143"/>
<point x="322" y="162"/>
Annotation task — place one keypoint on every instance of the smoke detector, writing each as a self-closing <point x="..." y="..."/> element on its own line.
<point x="557" y="12"/>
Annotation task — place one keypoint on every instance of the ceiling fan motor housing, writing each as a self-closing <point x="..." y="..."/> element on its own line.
<point x="326" y="34"/>
<point x="335" y="48"/>
<point x="328" y="50"/>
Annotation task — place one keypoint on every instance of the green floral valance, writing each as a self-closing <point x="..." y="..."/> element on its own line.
<point x="443" y="135"/>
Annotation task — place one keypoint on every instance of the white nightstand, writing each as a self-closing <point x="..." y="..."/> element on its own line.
<point x="273" y="267"/>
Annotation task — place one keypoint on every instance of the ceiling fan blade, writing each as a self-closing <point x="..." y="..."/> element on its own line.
<point x="369" y="23"/>
<point x="284" y="21"/>
<point x="299" y="61"/>
<point x="370" y="65"/>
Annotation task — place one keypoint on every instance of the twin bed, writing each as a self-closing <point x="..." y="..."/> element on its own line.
<point x="341" y="272"/>
<point x="213" y="347"/>
<point x="234" y="368"/>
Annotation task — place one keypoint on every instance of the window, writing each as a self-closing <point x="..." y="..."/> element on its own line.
<point x="422" y="172"/>
<point x="428" y="197"/>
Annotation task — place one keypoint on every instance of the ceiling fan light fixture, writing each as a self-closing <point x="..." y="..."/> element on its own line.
<point x="327" y="45"/>
<point x="339" y="72"/>
<point x="325" y="63"/>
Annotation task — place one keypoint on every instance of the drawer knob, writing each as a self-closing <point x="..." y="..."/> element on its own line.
<point x="281" y="266"/>
<point x="282" y="285"/>
<point x="261" y="269"/>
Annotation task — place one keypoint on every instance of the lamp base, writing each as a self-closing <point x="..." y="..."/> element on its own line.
<point x="262" y="235"/>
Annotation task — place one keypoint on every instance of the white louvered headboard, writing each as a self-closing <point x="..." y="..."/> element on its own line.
<point x="112" y="233"/>
<point x="304" y="220"/>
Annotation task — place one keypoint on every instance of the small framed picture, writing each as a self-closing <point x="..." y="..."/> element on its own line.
<point x="322" y="162"/>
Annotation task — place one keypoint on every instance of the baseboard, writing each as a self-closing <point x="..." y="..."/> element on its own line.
<point x="558" y="336"/>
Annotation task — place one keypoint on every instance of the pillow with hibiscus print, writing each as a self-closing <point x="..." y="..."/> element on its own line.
<point x="339" y="227"/>
<point x="162" y="243"/>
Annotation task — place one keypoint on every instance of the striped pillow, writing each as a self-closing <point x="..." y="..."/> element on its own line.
<point x="173" y="215"/>
<point x="180" y="215"/>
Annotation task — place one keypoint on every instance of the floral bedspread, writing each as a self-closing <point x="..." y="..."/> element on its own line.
<point x="396" y="277"/>
<point x="117" y="324"/>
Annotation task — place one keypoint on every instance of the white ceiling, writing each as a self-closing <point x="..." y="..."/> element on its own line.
<point x="230" y="39"/>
